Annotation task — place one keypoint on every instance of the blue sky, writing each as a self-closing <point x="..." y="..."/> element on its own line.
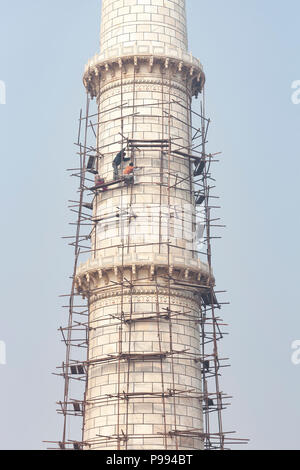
<point x="250" y="52"/>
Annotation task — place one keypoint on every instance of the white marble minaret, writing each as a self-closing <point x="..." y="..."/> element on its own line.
<point x="144" y="373"/>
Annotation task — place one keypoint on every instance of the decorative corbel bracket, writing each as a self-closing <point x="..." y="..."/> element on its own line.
<point x="151" y="63"/>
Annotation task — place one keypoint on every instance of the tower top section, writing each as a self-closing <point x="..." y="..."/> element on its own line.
<point x="140" y="31"/>
<point x="129" y="22"/>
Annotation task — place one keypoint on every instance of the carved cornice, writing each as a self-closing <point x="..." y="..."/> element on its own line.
<point x="133" y="260"/>
<point x="190" y="71"/>
<point x="101" y="282"/>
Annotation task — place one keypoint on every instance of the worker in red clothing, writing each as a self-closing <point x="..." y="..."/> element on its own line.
<point x="99" y="182"/>
<point x="128" y="173"/>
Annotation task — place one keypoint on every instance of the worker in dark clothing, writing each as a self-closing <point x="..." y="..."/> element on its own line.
<point x="117" y="162"/>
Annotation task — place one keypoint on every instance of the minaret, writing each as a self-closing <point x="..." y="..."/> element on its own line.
<point x="143" y="278"/>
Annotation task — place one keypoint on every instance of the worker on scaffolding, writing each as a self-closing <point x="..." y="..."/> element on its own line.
<point x="99" y="182"/>
<point x="117" y="162"/>
<point x="128" y="173"/>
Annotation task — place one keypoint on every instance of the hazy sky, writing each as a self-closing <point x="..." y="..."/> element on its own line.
<point x="250" y="51"/>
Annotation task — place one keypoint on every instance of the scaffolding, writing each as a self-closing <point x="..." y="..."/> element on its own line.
<point x="199" y="189"/>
